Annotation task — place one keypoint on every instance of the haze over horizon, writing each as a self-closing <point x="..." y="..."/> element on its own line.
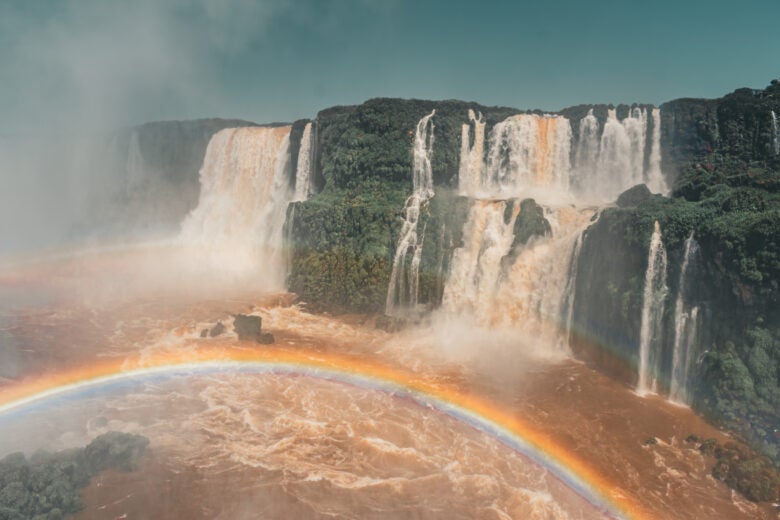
<point x="93" y="65"/>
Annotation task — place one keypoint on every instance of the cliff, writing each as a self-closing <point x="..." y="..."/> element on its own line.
<point x="344" y="237"/>
<point x="722" y="154"/>
<point x="720" y="158"/>
<point x="149" y="175"/>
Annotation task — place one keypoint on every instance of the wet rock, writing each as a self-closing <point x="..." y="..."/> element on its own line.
<point x="266" y="338"/>
<point x="204" y="333"/>
<point x="530" y="223"/>
<point x="218" y="329"/>
<point x="248" y="327"/>
<point x="634" y="196"/>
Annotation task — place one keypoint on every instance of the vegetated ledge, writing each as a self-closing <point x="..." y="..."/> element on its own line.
<point x="741" y="468"/>
<point x="47" y="485"/>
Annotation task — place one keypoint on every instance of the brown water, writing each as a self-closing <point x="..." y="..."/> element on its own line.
<point x="263" y="446"/>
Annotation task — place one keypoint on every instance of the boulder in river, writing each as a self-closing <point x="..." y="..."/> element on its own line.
<point x="266" y="338"/>
<point x="248" y="327"/>
<point x="218" y="329"/>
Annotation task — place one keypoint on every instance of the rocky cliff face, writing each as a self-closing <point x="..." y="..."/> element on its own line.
<point x="723" y="156"/>
<point x="738" y="125"/>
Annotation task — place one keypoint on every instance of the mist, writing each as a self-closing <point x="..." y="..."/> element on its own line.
<point x="75" y="73"/>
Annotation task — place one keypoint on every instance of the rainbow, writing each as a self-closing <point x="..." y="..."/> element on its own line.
<point x="473" y="410"/>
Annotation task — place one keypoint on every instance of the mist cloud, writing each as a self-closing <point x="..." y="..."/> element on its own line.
<point x="72" y="71"/>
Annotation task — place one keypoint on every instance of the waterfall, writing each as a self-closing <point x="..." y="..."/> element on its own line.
<point x="471" y="155"/>
<point x="303" y="169"/>
<point x="569" y="291"/>
<point x="652" y="314"/>
<point x="476" y="267"/>
<point x="775" y="134"/>
<point x="531" y="289"/>
<point x="527" y="295"/>
<point x="586" y="153"/>
<point x="134" y="164"/>
<point x="621" y="152"/>
<point x="243" y="200"/>
<point x="532" y="294"/>
<point x="289" y="238"/>
<point x="684" y="330"/>
<point x="604" y="167"/>
<point x="654" y="178"/>
<point x="403" y="288"/>
<point x="529" y="156"/>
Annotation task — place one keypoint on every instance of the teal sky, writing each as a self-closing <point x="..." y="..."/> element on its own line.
<point x="106" y="63"/>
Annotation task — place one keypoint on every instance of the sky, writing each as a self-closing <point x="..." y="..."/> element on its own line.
<point x="89" y="63"/>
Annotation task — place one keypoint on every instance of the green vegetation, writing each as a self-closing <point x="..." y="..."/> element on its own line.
<point x="738" y="231"/>
<point x="742" y="469"/>
<point x="344" y="241"/>
<point x="344" y="237"/>
<point x="726" y="192"/>
<point x="47" y="486"/>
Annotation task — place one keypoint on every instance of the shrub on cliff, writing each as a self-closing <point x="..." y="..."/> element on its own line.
<point x="744" y="470"/>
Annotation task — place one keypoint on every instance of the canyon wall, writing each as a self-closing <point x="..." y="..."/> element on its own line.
<point x="720" y="322"/>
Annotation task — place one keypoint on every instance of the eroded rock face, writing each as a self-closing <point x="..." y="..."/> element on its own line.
<point x="530" y="222"/>
<point x="731" y="281"/>
<point x="633" y="196"/>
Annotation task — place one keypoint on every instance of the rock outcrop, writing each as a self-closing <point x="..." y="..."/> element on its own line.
<point x="249" y="328"/>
